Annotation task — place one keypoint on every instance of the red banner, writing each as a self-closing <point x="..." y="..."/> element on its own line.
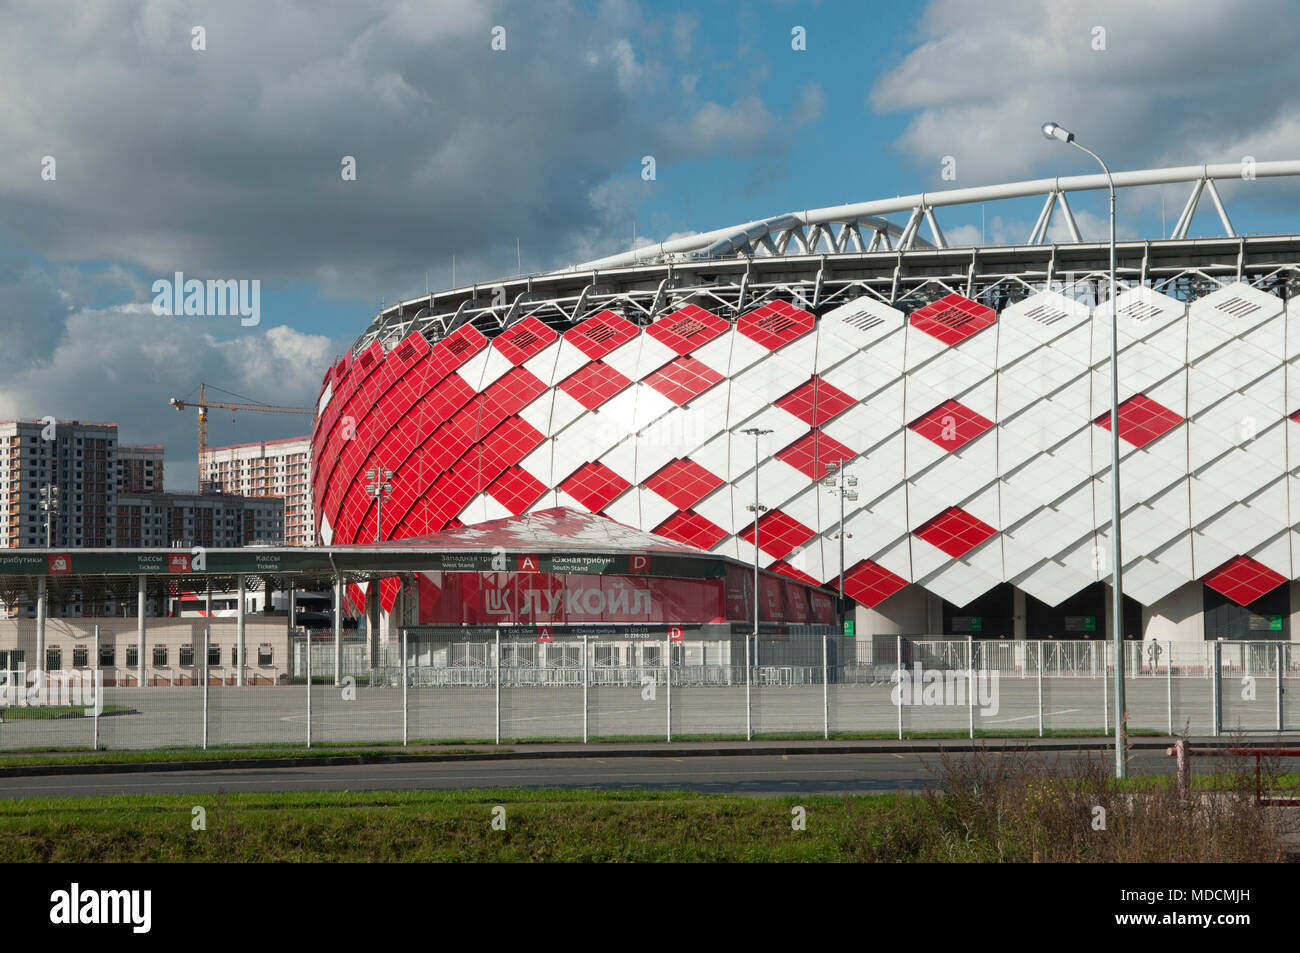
<point x="532" y="597"/>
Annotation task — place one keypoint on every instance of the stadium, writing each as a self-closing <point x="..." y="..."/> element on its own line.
<point x="929" y="424"/>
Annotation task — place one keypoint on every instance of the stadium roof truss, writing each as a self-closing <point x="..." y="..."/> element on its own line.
<point x="824" y="257"/>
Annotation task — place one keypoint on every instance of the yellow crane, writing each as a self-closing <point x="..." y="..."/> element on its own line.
<point x="203" y="404"/>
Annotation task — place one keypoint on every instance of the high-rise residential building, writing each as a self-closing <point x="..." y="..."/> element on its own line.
<point x="78" y="461"/>
<point x="139" y="468"/>
<point x="274" y="468"/>
<point x="106" y="493"/>
<point x="198" y="519"/>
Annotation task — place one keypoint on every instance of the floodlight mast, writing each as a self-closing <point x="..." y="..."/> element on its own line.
<point x="1052" y="130"/>
<point x="757" y="509"/>
<point x="379" y="487"/>
<point x="838" y="481"/>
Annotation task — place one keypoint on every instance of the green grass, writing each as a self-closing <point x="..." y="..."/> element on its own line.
<point x="47" y="712"/>
<point x="987" y="817"/>
<point x="544" y="825"/>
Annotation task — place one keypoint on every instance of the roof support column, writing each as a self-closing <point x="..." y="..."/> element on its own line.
<point x="289" y="617"/>
<point x="141" y="592"/>
<point x="373" y="611"/>
<point x="239" y="629"/>
<point x="338" y="628"/>
<point x="42" y="599"/>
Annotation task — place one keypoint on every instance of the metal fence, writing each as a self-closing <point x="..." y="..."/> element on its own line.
<point x="576" y="689"/>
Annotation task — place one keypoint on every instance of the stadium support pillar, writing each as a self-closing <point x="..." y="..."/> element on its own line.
<point x="140" y="605"/>
<point x="42" y="600"/>
<point x="338" y="628"/>
<point x="1019" y="624"/>
<point x="289" y="617"/>
<point x="373" y="612"/>
<point x="239" y="630"/>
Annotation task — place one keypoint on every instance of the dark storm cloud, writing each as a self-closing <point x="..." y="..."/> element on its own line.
<point x="227" y="161"/>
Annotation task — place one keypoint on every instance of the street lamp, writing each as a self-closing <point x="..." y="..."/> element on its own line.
<point x="379" y="487"/>
<point x="839" y="482"/>
<point x="50" y="501"/>
<point x="757" y="509"/>
<point x="1052" y="130"/>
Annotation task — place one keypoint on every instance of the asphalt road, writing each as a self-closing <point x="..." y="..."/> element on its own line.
<point x="754" y="775"/>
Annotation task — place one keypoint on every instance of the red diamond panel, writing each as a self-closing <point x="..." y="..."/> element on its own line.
<point x="952" y="319"/>
<point x="871" y="583"/>
<point x="1296" y="416"/>
<point x="683" y="483"/>
<point x="524" y="340"/>
<point x="955" y="531"/>
<point x="600" y="334"/>
<point x="507" y="445"/>
<point x="682" y="379"/>
<point x="595" y="486"/>
<point x="775" y="324"/>
<point x="692" y="529"/>
<point x="778" y="534"/>
<point x="950" y="425"/>
<point x="593" y="384"/>
<point x="815" y="402"/>
<point x="516" y="490"/>
<point x="687" y="329"/>
<point x="1141" y="420"/>
<point x="785" y="569"/>
<point x="510" y="393"/>
<point x="811" y="452"/>
<point x="1243" y="580"/>
<point x="455" y="349"/>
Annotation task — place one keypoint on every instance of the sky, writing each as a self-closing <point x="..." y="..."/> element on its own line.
<point x="141" y="138"/>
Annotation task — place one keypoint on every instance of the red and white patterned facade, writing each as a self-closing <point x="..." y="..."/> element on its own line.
<point x="980" y="440"/>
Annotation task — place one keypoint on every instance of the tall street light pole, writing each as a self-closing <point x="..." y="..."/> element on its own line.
<point x="379" y="486"/>
<point x="1052" y="130"/>
<point x="837" y="481"/>
<point x="757" y="509"/>
<point x="50" y="504"/>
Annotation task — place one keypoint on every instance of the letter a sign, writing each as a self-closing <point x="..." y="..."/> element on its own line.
<point x="527" y="563"/>
<point x="544" y="634"/>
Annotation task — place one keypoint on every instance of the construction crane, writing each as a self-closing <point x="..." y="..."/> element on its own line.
<point x="203" y="404"/>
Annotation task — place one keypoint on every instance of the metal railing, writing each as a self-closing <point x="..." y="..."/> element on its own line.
<point x="898" y="685"/>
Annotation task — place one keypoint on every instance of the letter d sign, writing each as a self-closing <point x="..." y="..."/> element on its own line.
<point x="640" y="563"/>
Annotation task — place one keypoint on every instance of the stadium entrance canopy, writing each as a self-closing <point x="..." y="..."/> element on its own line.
<point x="553" y="567"/>
<point x="562" y="567"/>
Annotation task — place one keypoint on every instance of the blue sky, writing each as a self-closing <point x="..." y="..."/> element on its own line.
<point x="224" y="162"/>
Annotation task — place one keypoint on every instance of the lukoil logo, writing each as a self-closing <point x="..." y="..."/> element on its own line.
<point x="219" y="297"/>
<point x="936" y="687"/>
<point x="103" y="907"/>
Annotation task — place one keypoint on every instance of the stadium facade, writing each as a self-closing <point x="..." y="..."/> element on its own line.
<point x="965" y="389"/>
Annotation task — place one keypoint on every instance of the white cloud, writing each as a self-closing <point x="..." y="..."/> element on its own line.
<point x="123" y="363"/>
<point x="811" y="104"/>
<point x="1177" y="83"/>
